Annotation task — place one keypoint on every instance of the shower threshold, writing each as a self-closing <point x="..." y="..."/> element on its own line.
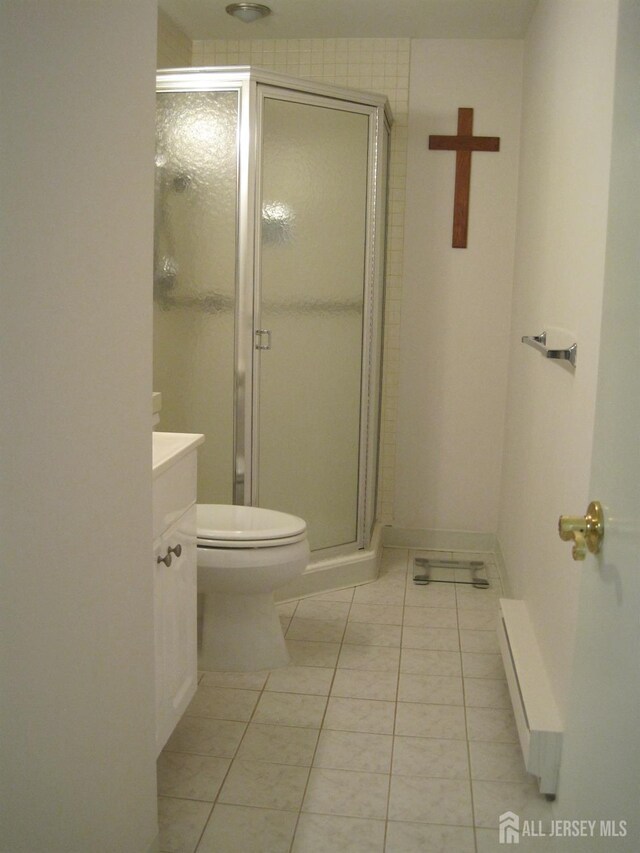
<point x="433" y="570"/>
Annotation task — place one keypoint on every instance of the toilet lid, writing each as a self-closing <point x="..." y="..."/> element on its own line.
<point x="247" y="524"/>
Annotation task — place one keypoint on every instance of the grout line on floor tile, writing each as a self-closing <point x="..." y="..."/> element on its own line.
<point x="321" y="727"/>
<point x="395" y="710"/>
<point x="464" y="711"/>
<point x="206" y="823"/>
<point x="247" y="724"/>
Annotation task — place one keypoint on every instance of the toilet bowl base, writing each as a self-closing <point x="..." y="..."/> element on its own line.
<point x="241" y="633"/>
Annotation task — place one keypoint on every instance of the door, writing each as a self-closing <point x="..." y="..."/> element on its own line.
<point x="600" y="769"/>
<point x="310" y="312"/>
<point x="196" y="246"/>
<point x="175" y="590"/>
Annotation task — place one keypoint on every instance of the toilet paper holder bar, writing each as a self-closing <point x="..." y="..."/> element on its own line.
<point x="539" y="342"/>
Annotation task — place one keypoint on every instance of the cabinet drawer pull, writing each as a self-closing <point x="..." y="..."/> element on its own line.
<point x="168" y="558"/>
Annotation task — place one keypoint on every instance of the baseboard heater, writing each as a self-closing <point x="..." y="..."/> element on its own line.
<point x="537" y="716"/>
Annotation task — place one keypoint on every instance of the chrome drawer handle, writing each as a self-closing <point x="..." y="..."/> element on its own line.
<point x="168" y="558"/>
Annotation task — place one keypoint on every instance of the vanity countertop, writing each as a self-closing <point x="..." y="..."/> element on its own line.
<point x="168" y="447"/>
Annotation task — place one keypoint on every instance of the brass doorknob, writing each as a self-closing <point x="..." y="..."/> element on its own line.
<point x="586" y="531"/>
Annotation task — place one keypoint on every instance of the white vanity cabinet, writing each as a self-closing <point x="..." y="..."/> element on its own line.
<point x="175" y="576"/>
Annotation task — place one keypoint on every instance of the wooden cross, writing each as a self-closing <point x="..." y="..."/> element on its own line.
<point x="463" y="144"/>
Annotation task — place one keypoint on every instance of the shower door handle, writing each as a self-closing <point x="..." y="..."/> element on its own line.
<point x="259" y="338"/>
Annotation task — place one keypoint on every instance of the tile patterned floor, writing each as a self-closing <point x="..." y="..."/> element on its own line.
<point x="390" y="730"/>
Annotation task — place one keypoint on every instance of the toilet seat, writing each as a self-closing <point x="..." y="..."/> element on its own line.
<point x="225" y="526"/>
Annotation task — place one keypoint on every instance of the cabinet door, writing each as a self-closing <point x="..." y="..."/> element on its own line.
<point x="176" y="624"/>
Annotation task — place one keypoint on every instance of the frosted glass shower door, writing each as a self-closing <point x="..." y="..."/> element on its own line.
<point x="195" y="276"/>
<point x="312" y="272"/>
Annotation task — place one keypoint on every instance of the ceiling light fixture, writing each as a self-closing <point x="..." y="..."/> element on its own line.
<point x="248" y="12"/>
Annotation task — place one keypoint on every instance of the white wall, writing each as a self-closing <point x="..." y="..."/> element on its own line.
<point x="562" y="218"/>
<point x="174" y="47"/>
<point x="77" y="141"/>
<point x="456" y="302"/>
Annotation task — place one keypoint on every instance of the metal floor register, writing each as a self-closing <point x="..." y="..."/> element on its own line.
<point x="432" y="570"/>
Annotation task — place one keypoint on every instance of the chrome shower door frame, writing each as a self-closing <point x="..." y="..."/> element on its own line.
<point x="373" y="290"/>
<point x="253" y="85"/>
<point x="234" y="80"/>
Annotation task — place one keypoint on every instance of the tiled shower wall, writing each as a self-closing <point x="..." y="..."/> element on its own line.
<point x="378" y="65"/>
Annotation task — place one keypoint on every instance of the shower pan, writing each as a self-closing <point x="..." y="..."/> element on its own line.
<point x="268" y="291"/>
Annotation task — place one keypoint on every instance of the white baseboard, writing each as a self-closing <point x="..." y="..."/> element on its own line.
<point x="439" y="540"/>
<point x="537" y="717"/>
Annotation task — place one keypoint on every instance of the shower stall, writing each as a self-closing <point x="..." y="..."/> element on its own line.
<point x="268" y="291"/>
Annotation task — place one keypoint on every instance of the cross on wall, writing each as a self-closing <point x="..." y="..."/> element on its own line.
<point x="463" y="144"/>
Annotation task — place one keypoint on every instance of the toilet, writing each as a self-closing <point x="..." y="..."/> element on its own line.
<point x="244" y="554"/>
